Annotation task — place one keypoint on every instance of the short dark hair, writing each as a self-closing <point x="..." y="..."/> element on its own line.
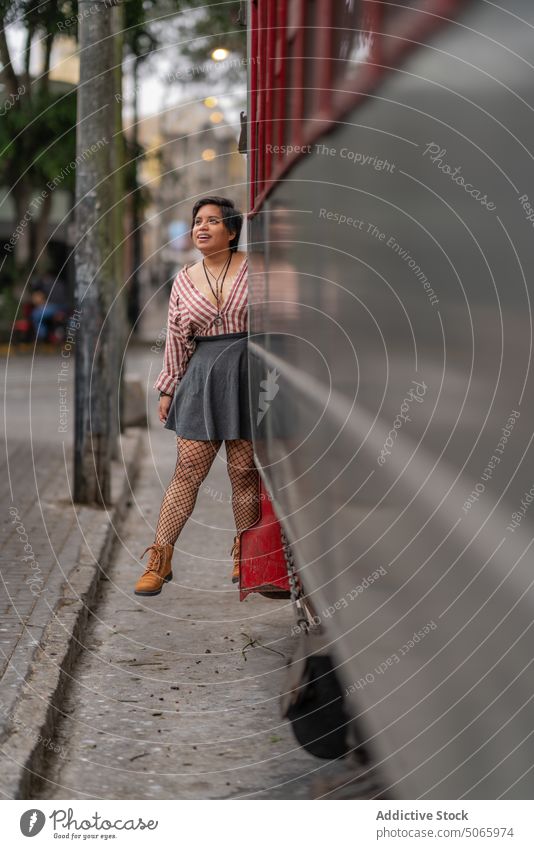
<point x="232" y="218"/>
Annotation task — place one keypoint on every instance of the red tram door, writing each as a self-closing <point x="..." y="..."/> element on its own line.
<point x="262" y="567"/>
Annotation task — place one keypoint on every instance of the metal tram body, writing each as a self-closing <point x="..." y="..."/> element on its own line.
<point x="390" y="263"/>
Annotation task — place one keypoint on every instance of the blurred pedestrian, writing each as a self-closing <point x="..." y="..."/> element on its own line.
<point x="43" y="313"/>
<point x="54" y="288"/>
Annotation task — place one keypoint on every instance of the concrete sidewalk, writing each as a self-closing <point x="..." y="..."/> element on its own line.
<point x="52" y="556"/>
<point x="177" y="696"/>
<point x="171" y="697"/>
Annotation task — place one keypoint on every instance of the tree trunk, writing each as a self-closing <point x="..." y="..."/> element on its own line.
<point x="9" y="76"/>
<point x="27" y="60"/>
<point x="119" y="316"/>
<point x="96" y="400"/>
<point x="45" y="74"/>
<point x="40" y="234"/>
<point x="21" y="191"/>
<point x="22" y="195"/>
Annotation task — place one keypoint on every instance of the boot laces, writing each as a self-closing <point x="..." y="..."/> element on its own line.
<point x="156" y="559"/>
<point x="235" y="548"/>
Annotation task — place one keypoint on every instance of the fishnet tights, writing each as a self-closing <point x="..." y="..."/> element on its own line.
<point x="192" y="466"/>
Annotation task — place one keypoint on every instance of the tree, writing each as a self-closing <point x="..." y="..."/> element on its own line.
<point x="37" y="131"/>
<point x="212" y="26"/>
<point x="98" y="254"/>
<point x="38" y="118"/>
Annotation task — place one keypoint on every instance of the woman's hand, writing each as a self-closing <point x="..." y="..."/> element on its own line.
<point x="164" y="404"/>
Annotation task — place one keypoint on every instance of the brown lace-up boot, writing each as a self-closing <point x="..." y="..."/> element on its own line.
<point x="236" y="553"/>
<point x="158" y="570"/>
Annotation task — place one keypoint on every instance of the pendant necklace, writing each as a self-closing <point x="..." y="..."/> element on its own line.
<point x="218" y="291"/>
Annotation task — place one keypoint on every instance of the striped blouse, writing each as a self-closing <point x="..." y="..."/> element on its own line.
<point x="191" y="312"/>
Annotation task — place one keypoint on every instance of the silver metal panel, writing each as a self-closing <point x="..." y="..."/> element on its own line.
<point x="401" y="349"/>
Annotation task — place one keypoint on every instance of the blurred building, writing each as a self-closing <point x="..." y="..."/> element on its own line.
<point x="65" y="61"/>
<point x="197" y="155"/>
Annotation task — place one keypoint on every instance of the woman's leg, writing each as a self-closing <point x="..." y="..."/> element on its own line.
<point x="193" y="464"/>
<point x="245" y="480"/>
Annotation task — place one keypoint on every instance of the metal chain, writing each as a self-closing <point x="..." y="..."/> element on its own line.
<point x="295" y="586"/>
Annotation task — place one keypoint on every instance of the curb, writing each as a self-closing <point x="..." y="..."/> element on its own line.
<point x="39" y="708"/>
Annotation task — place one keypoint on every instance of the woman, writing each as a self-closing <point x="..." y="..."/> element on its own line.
<point x="204" y="384"/>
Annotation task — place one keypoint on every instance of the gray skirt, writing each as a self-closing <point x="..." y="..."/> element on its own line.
<point x="212" y="399"/>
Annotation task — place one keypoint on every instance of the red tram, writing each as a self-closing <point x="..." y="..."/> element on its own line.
<point x="390" y="172"/>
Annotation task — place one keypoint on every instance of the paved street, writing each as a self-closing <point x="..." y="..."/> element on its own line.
<point x="51" y="555"/>
<point x="39" y="533"/>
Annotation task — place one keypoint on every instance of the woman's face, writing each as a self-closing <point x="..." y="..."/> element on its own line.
<point x="209" y="232"/>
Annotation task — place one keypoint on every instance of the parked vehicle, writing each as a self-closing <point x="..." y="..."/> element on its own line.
<point x="391" y="250"/>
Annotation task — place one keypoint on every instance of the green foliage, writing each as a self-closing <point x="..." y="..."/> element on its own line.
<point x="38" y="128"/>
<point x="38" y="139"/>
<point x="138" y="40"/>
<point x="38" y="15"/>
<point x="38" y="131"/>
<point x="207" y="27"/>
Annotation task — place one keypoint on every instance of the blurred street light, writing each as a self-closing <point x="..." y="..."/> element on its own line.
<point x="220" y="54"/>
<point x="216" y="117"/>
<point x="210" y="102"/>
<point x="208" y="154"/>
